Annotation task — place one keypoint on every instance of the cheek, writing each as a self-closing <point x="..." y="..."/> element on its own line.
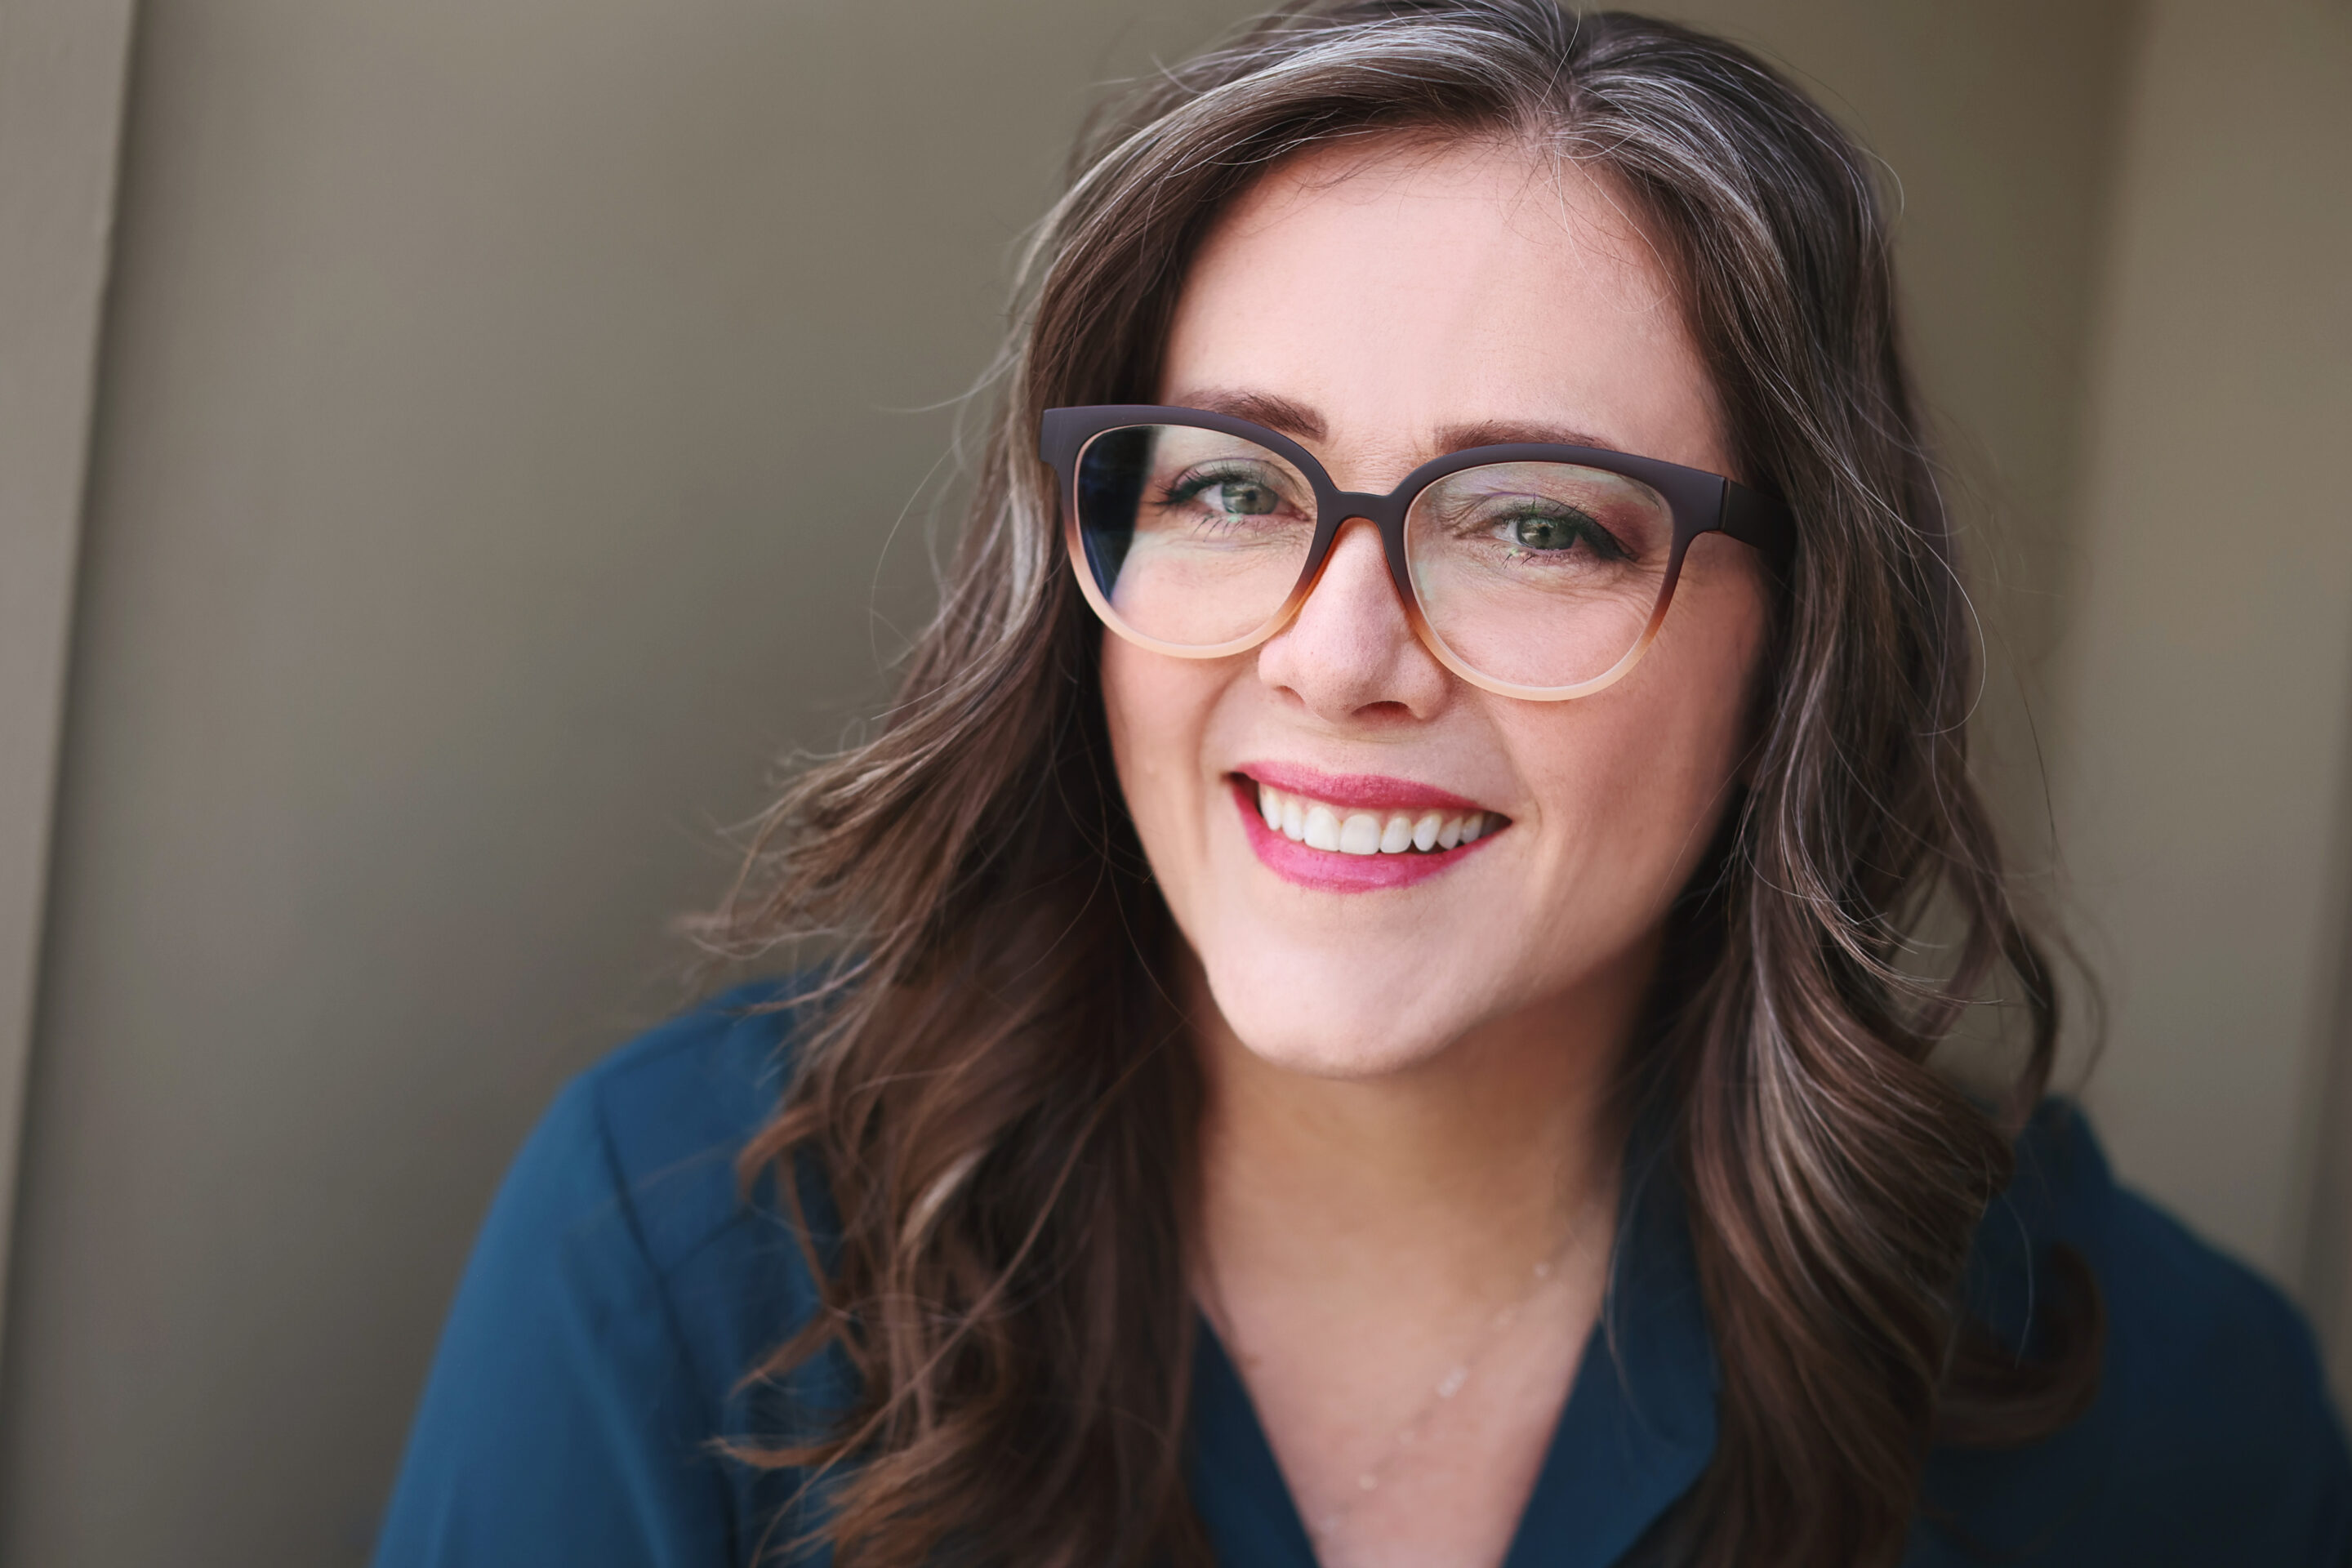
<point x="1634" y="786"/>
<point x="1159" y="710"/>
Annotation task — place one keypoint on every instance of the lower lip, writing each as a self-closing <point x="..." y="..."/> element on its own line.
<point x="1328" y="871"/>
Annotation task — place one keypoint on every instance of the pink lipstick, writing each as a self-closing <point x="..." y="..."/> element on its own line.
<point x="1356" y="832"/>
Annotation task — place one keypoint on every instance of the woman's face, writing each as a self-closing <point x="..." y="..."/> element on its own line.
<point x="1385" y="308"/>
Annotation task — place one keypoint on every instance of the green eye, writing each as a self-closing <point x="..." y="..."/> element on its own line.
<point x="1543" y="533"/>
<point x="1552" y="532"/>
<point x="1229" y="493"/>
<point x="1243" y="497"/>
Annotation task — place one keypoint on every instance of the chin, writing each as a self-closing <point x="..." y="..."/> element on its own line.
<point x="1337" y="1016"/>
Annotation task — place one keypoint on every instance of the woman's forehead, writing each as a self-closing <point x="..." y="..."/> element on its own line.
<point x="1405" y="294"/>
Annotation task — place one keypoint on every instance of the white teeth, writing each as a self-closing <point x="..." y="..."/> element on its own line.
<point x="1335" y="830"/>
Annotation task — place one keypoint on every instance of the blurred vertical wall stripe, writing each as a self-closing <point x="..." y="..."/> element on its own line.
<point x="62" y="77"/>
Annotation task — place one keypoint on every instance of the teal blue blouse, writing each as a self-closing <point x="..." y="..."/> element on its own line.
<point x="621" y="1288"/>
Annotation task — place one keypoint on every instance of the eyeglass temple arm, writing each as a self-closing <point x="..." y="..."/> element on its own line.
<point x="1754" y="518"/>
<point x="1058" y="439"/>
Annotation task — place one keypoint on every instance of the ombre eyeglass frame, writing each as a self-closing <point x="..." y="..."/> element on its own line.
<point x="1697" y="502"/>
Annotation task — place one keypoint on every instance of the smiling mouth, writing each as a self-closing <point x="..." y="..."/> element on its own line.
<point x="1357" y="834"/>
<point x="1352" y="830"/>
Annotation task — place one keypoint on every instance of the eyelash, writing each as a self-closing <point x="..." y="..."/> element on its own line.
<point x="1584" y="529"/>
<point x="1200" y="480"/>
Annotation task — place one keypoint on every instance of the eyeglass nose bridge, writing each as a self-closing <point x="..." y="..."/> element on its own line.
<point x="1386" y="515"/>
<point x="1383" y="511"/>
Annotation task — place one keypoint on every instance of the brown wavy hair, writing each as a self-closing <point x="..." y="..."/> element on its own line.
<point x="995" y="1100"/>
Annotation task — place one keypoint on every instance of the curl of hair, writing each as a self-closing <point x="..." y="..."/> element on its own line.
<point x="994" y="1093"/>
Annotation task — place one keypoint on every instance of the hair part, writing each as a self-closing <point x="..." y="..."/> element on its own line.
<point x="994" y="1097"/>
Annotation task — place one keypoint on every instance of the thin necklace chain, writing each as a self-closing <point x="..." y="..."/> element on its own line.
<point x="1407" y="1440"/>
<point x="1543" y="1273"/>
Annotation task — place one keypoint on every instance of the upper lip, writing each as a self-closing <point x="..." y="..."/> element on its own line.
<point x="1370" y="791"/>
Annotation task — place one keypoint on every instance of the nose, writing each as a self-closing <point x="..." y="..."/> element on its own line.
<point x="1351" y="652"/>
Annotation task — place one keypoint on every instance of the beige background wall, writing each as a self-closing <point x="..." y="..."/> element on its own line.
<point x="502" y="417"/>
<point x="495" y="452"/>
<point x="2205" y="714"/>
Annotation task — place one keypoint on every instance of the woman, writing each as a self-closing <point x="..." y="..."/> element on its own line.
<point x="1383" y="1009"/>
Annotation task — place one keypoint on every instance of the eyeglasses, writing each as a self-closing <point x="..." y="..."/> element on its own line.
<point x="1531" y="569"/>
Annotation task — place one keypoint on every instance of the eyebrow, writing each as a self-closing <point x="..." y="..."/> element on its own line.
<point x="1295" y="420"/>
<point x="1512" y="433"/>
<point x="1303" y="424"/>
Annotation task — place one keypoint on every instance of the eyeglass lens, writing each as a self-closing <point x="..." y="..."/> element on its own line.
<point x="1535" y="574"/>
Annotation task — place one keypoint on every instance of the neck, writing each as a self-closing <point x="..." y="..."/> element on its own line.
<point x="1456" y="1173"/>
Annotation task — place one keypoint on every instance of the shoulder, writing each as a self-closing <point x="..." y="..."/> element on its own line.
<point x="2213" y="1436"/>
<point x="621" y="1288"/>
<point x="2198" y="1343"/>
<point x="632" y="1171"/>
<point x="655" y="1128"/>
